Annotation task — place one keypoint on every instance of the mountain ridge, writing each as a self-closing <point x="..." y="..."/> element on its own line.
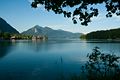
<point x="51" y="33"/>
<point x="5" y="27"/>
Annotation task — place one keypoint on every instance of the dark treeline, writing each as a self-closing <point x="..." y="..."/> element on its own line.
<point x="7" y="36"/>
<point x="103" y="34"/>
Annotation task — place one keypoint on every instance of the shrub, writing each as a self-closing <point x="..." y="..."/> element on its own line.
<point x="101" y="66"/>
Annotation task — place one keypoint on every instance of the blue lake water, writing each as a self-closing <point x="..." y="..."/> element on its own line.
<point x="47" y="60"/>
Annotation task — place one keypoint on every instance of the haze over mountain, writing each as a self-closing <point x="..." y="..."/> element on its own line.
<point x="5" y="27"/>
<point x="51" y="33"/>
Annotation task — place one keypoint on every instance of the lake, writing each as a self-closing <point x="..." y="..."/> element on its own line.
<point x="47" y="60"/>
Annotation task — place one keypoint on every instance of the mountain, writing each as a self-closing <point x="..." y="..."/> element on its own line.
<point x="51" y="33"/>
<point x="5" y="27"/>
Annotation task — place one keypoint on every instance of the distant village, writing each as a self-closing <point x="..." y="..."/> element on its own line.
<point x="8" y="36"/>
<point x="40" y="37"/>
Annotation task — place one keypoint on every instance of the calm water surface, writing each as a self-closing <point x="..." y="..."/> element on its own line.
<point x="47" y="60"/>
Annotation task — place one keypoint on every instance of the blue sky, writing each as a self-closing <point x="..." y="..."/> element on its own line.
<point x="21" y="16"/>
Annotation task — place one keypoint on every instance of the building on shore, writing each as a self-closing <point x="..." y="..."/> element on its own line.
<point x="13" y="37"/>
<point x="39" y="37"/>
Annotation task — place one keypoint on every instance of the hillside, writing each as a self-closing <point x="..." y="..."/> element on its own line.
<point x="104" y="34"/>
<point x="51" y="33"/>
<point x="5" y="27"/>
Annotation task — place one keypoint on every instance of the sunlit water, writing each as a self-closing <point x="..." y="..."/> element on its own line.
<point x="47" y="60"/>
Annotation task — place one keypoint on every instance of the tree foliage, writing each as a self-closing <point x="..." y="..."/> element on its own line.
<point x="84" y="10"/>
<point x="5" y="35"/>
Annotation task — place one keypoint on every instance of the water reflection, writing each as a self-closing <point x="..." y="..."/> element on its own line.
<point x="46" y="60"/>
<point x="4" y="48"/>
